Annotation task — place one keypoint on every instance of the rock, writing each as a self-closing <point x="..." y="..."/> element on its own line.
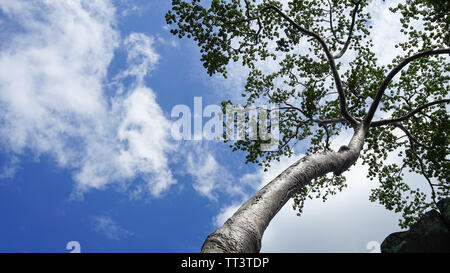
<point x="444" y="209"/>
<point x="429" y="234"/>
<point x="393" y="242"/>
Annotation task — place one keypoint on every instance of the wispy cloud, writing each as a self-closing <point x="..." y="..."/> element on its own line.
<point x="211" y="176"/>
<point x="142" y="57"/>
<point x="109" y="228"/>
<point x="10" y="168"/>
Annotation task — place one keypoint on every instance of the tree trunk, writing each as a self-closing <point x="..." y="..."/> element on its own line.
<point x="242" y="233"/>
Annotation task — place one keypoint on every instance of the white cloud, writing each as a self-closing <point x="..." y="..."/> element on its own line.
<point x="108" y="227"/>
<point x="10" y="168"/>
<point x="210" y="176"/>
<point x="53" y="76"/>
<point x="204" y="170"/>
<point x="141" y="56"/>
<point x="146" y="130"/>
<point x="386" y="30"/>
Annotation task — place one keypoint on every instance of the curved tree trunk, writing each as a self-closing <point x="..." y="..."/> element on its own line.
<point x="244" y="230"/>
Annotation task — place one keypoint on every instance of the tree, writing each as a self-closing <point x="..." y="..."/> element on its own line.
<point x="333" y="84"/>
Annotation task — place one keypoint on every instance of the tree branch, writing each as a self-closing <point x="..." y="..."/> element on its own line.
<point x="391" y="75"/>
<point x="419" y="159"/>
<point x="407" y="116"/>
<point x="331" y="24"/>
<point x="320" y="122"/>
<point x="352" y="25"/>
<point x="408" y="134"/>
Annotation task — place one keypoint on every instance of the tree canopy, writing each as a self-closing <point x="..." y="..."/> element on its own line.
<point x="326" y="78"/>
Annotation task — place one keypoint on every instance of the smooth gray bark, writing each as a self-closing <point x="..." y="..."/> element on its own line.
<point x="242" y="233"/>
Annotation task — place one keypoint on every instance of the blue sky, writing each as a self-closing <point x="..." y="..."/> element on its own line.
<point x="86" y="93"/>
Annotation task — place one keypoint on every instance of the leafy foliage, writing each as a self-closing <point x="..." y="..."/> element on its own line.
<point x="304" y="41"/>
